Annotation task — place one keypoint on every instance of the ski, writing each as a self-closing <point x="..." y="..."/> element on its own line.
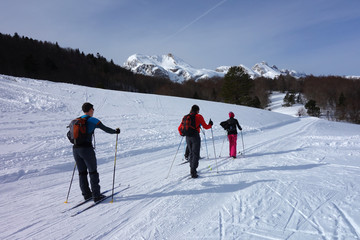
<point x="187" y="161"/>
<point x="100" y="201"/>
<point x="220" y="159"/>
<point x="87" y="200"/>
<point x="184" y="162"/>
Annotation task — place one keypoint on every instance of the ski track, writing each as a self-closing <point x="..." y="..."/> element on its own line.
<point x="355" y="229"/>
<point x="291" y="183"/>
<point x="318" y="228"/>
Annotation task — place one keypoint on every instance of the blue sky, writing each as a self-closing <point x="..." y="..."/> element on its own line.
<point x="320" y="37"/>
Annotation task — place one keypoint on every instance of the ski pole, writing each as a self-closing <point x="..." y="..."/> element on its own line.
<point x="242" y="142"/>
<point x="67" y="197"/>
<point x="112" y="194"/>
<point x="205" y="142"/>
<point x="217" y="169"/>
<point x="174" y="157"/>
<point x="222" y="145"/>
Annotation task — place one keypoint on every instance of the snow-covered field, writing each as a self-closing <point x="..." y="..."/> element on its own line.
<point x="299" y="177"/>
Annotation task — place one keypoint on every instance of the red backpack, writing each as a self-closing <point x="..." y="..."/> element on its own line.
<point x="188" y="125"/>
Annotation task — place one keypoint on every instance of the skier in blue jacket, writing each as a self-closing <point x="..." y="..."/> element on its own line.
<point x="85" y="157"/>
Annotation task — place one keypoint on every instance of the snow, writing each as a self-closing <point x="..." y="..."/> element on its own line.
<point x="299" y="177"/>
<point x="276" y="105"/>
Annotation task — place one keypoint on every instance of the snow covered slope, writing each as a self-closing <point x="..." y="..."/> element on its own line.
<point x="276" y="105"/>
<point x="298" y="178"/>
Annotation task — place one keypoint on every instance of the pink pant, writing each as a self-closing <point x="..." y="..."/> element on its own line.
<point x="232" y="143"/>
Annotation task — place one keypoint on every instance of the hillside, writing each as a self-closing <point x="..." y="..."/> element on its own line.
<point x="338" y="97"/>
<point x="298" y="177"/>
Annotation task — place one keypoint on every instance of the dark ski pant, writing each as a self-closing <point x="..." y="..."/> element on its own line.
<point x="187" y="152"/>
<point x="193" y="143"/>
<point x="86" y="160"/>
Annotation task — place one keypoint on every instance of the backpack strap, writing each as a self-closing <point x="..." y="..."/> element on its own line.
<point x="93" y="134"/>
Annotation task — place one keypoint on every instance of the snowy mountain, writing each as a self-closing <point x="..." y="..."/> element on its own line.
<point x="264" y="70"/>
<point x="167" y="66"/>
<point x="298" y="178"/>
<point x="176" y="69"/>
<point x="249" y="71"/>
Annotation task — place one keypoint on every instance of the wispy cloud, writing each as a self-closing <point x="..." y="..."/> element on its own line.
<point x="194" y="21"/>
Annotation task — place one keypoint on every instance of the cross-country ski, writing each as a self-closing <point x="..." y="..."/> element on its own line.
<point x="100" y="201"/>
<point x="87" y="200"/>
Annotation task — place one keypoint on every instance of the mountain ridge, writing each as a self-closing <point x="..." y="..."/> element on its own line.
<point x="177" y="70"/>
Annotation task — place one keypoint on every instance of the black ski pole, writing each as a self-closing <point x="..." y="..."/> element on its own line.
<point x="112" y="194"/>
<point x="174" y="157"/>
<point x="67" y="197"/>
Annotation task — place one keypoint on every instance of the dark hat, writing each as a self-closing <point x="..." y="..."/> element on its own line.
<point x="87" y="107"/>
<point x="195" y="108"/>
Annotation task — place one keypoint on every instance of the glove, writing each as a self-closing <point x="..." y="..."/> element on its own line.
<point x="240" y="129"/>
<point x="211" y="122"/>
<point x="117" y="130"/>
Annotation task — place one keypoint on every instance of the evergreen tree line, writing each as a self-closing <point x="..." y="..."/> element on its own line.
<point x="337" y="98"/>
<point x="24" y="57"/>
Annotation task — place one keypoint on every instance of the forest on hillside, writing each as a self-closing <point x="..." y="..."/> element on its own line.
<point x="336" y="97"/>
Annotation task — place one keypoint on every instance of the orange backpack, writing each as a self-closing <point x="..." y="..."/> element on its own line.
<point x="77" y="133"/>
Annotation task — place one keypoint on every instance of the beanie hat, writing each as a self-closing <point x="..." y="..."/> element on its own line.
<point x="87" y="107"/>
<point x="195" y="108"/>
<point x="231" y="115"/>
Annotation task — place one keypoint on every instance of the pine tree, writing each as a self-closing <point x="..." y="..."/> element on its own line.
<point x="237" y="87"/>
<point x="341" y="107"/>
<point x="289" y="99"/>
<point x="312" y="109"/>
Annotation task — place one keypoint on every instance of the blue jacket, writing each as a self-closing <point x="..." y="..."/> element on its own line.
<point x="93" y="123"/>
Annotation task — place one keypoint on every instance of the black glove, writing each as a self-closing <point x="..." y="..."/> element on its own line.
<point x="211" y="122"/>
<point x="117" y="130"/>
<point x="240" y="129"/>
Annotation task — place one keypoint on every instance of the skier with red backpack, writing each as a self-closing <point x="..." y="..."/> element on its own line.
<point x="190" y="127"/>
<point x="80" y="134"/>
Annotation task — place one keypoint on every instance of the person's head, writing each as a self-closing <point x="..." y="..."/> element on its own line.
<point x="88" y="109"/>
<point x="195" y="109"/>
<point x="231" y="115"/>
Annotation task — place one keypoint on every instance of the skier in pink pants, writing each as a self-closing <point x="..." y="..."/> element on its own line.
<point x="230" y="126"/>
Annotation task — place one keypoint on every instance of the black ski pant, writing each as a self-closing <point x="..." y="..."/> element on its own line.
<point x="193" y="143"/>
<point x="187" y="152"/>
<point x="86" y="160"/>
